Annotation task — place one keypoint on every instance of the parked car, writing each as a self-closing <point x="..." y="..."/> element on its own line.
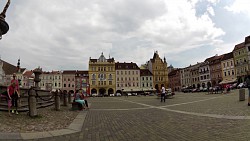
<point x="105" y="95"/>
<point x="134" y="94"/>
<point x="241" y="85"/>
<point x="118" y="94"/>
<point x="129" y="94"/>
<point x="194" y="90"/>
<point x="111" y="94"/>
<point x="151" y="94"/>
<point x="94" y="95"/>
<point x="233" y="86"/>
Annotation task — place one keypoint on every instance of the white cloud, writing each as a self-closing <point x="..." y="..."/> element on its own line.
<point x="63" y="34"/>
<point x="239" y="6"/>
<point x="210" y="10"/>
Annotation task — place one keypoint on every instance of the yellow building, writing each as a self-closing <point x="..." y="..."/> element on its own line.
<point x="159" y="69"/>
<point x="240" y="61"/>
<point x="102" y="76"/>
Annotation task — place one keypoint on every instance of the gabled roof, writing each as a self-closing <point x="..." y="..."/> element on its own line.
<point x="8" y="68"/>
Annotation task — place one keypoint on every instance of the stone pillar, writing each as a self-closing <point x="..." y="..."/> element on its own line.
<point x="69" y="97"/>
<point x="57" y="101"/>
<point x="32" y="103"/>
<point x="242" y="94"/>
<point x="65" y="100"/>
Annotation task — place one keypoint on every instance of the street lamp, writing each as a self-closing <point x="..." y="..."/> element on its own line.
<point x="4" y="27"/>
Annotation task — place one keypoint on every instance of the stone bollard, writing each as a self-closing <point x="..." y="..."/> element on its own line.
<point x="65" y="101"/>
<point x="69" y="97"/>
<point x="57" y="101"/>
<point x="32" y="103"/>
<point x="242" y="94"/>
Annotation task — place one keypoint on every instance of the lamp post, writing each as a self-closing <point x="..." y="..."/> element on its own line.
<point x="4" y="27"/>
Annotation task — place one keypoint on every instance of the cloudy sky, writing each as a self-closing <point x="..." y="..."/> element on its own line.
<point x="64" y="34"/>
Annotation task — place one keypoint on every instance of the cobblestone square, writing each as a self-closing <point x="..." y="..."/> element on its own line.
<point x="186" y="117"/>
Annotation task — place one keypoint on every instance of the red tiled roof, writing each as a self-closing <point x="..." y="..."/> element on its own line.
<point x="227" y="56"/>
<point x="8" y="68"/>
<point x="239" y="46"/>
<point x="28" y="73"/>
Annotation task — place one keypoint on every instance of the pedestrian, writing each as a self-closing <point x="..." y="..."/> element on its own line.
<point x="9" y="95"/>
<point x="16" y="94"/>
<point x="163" y="92"/>
<point x="248" y="86"/>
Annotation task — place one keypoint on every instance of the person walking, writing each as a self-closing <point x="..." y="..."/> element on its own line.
<point x="163" y="93"/>
<point x="248" y="86"/>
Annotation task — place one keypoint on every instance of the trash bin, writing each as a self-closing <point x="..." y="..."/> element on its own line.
<point x="242" y="94"/>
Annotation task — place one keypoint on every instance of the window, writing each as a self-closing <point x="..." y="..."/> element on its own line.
<point x="110" y="82"/>
<point x="64" y="85"/>
<point x="93" y="76"/>
<point x="225" y="73"/>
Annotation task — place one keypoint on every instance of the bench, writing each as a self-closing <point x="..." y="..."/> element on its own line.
<point x="76" y="106"/>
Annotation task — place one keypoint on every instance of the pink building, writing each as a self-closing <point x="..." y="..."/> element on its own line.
<point x="68" y="80"/>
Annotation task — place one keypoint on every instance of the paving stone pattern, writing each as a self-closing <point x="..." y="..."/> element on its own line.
<point x="142" y="118"/>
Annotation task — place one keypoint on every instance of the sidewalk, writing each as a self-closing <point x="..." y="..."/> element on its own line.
<point x="74" y="127"/>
